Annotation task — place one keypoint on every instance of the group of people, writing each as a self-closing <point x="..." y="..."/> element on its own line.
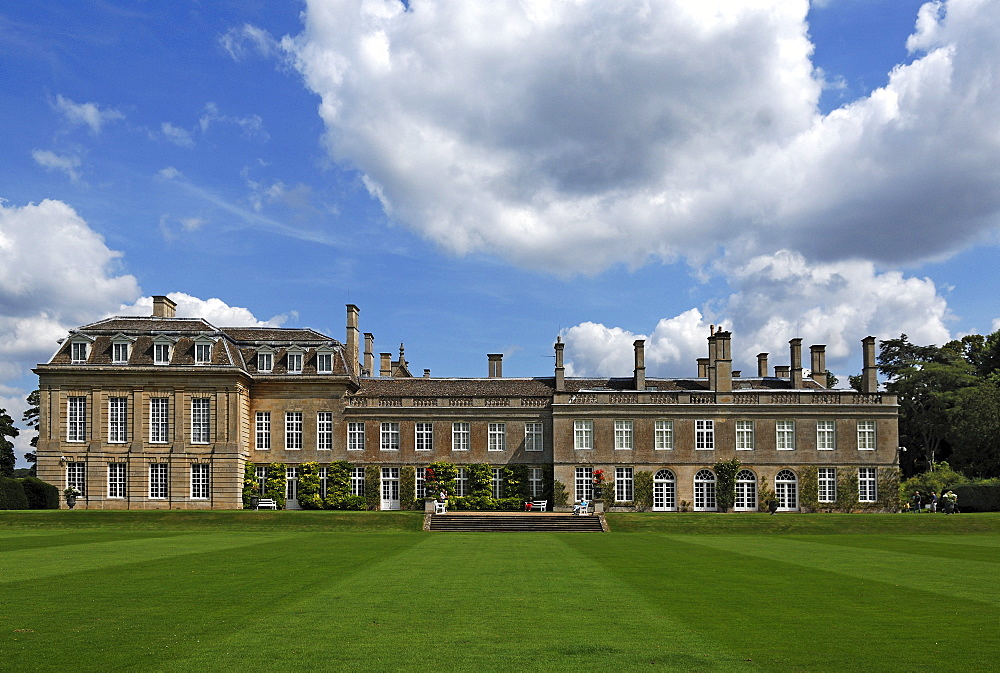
<point x="950" y="502"/>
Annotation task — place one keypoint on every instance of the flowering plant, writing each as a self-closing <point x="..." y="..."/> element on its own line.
<point x="598" y="477"/>
<point x="72" y="492"/>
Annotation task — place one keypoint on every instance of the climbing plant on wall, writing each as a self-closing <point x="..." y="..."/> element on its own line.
<point x="309" y="486"/>
<point x="274" y="483"/>
<point x="373" y="487"/>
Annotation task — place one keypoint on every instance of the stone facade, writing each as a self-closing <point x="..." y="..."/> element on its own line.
<point x="164" y="413"/>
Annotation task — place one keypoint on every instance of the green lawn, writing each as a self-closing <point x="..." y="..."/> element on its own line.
<point x="174" y="591"/>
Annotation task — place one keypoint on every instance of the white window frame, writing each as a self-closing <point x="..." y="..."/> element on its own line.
<point x="76" y="419"/>
<point x="786" y="489"/>
<point x="324" y="363"/>
<point x="161" y="353"/>
<point x="664" y="491"/>
<point x="159" y="420"/>
<point x="534" y="436"/>
<point x="624" y="435"/>
<point x="496" y="482"/>
<point x="201" y="420"/>
<point x="356" y="436"/>
<point x="117" y="481"/>
<point x="624" y="484"/>
<point x="461" y="436"/>
<point x="293" y="431"/>
<point x="784" y="435"/>
<point x="159" y="481"/>
<point x="260" y="472"/>
<point x="583" y="484"/>
<point x="291" y="482"/>
<point x="867" y="484"/>
<point x="117" y="420"/>
<point x="324" y="431"/>
<point x="745" y="440"/>
<point x="704" y="435"/>
<point x="389" y="436"/>
<point x="419" y="479"/>
<point x="826" y="435"/>
<point x="705" y="491"/>
<point x="76" y="477"/>
<point x="324" y="481"/>
<point x="866" y="435"/>
<point x="423" y="436"/>
<point x="262" y="429"/>
<point x="119" y="352"/>
<point x="497" y="437"/>
<point x="826" y="484"/>
<point x="462" y="482"/>
<point x="536" y="482"/>
<point x="746" y="491"/>
<point x="265" y="362"/>
<point x="293" y="362"/>
<point x="202" y="353"/>
<point x="583" y="435"/>
<point x="201" y="481"/>
<point x="78" y="352"/>
<point x="663" y="435"/>
<point x="358" y="481"/>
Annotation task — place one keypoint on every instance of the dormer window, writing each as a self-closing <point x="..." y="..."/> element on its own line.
<point x="294" y="363"/>
<point x="119" y="352"/>
<point x="202" y="354"/>
<point x="78" y="351"/>
<point x="324" y="360"/>
<point x="162" y="350"/>
<point x="265" y="361"/>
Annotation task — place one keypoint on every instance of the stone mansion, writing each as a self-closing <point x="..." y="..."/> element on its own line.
<point x="161" y="412"/>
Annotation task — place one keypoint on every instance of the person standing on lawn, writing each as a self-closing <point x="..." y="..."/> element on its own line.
<point x="916" y="501"/>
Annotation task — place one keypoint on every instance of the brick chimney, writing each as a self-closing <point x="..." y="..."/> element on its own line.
<point x="795" y="353"/>
<point x="762" y="365"/>
<point x="639" y="373"/>
<point x="164" y="307"/>
<point x="869" y="373"/>
<point x="369" y="354"/>
<point x="496" y="365"/>
<point x="352" y="339"/>
<point x="560" y="369"/>
<point x="817" y="357"/>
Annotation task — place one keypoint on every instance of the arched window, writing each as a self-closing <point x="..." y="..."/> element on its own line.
<point x="664" y="491"/>
<point x="786" y="490"/>
<point x="704" y="491"/>
<point x="746" y="491"/>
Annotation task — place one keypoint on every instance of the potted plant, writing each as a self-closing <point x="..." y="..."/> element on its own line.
<point x="71" y="493"/>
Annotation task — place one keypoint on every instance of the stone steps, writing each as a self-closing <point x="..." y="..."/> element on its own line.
<point x="515" y="522"/>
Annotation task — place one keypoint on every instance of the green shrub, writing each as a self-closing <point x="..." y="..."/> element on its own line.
<point x="12" y="494"/>
<point x="274" y="483"/>
<point x="888" y="489"/>
<point x="809" y="491"/>
<point x="354" y="503"/>
<point x="847" y="490"/>
<point x="338" y="486"/>
<point x="978" y="497"/>
<point x="725" y="483"/>
<point x="642" y="496"/>
<point x="938" y="480"/>
<point x="560" y="496"/>
<point x="440" y="477"/>
<point x="309" y="486"/>
<point x="39" y="494"/>
<point x="480" y="480"/>
<point x="408" y="488"/>
<point x="373" y="487"/>
<point x="251" y="487"/>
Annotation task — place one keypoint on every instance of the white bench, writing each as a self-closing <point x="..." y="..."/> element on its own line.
<point x="440" y="507"/>
<point x="582" y="509"/>
<point x="266" y="503"/>
<point x="537" y="505"/>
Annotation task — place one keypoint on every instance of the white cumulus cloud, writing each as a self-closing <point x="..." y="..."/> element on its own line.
<point x="214" y="310"/>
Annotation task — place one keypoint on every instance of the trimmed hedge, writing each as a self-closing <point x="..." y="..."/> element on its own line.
<point x="39" y="494"/>
<point x="977" y="497"/>
<point x="12" y="494"/>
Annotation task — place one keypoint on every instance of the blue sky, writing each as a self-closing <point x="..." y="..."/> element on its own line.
<point x="482" y="177"/>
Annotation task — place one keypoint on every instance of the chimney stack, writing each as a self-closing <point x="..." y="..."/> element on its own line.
<point x="762" y="365"/>
<point x="702" y="368"/>
<point x="869" y="374"/>
<point x="385" y="364"/>
<point x="164" y="307"/>
<point x="723" y="369"/>
<point x="639" y="374"/>
<point x="817" y="355"/>
<point x="712" y="357"/>
<point x="795" y="351"/>
<point x="496" y="365"/>
<point x="369" y="354"/>
<point x="352" y="339"/>
<point x="781" y="371"/>
<point x="560" y="370"/>
<point x="427" y="373"/>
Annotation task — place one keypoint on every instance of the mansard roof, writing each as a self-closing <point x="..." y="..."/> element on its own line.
<point x="448" y="387"/>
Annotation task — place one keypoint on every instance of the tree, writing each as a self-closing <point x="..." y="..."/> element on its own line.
<point x="30" y="419"/>
<point x="7" y="430"/>
<point x="973" y="429"/>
